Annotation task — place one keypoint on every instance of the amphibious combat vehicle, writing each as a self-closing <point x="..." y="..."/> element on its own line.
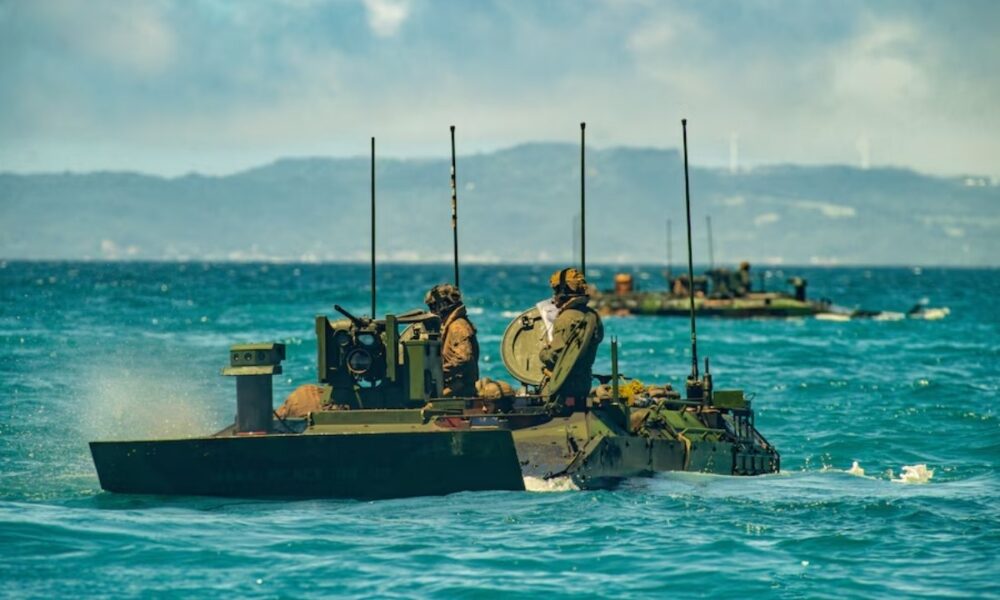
<point x="724" y="293"/>
<point x="385" y="431"/>
<point x="381" y="427"/>
<point x="719" y="293"/>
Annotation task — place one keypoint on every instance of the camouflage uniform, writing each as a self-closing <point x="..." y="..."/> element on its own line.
<point x="459" y="354"/>
<point x="575" y="318"/>
<point x="459" y="346"/>
<point x="745" y="284"/>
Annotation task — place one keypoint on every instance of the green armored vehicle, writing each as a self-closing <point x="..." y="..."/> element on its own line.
<point x="385" y="431"/>
<point x="380" y="426"/>
<point x="719" y="293"/>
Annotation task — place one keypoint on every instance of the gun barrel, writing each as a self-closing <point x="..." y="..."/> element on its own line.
<point x="352" y="318"/>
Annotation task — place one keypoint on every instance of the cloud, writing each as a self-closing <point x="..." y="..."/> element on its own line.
<point x="171" y="86"/>
<point x="386" y="16"/>
<point x="130" y="35"/>
<point x="766" y="219"/>
<point x="878" y="67"/>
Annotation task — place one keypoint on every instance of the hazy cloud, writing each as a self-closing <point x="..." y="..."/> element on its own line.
<point x="386" y="16"/>
<point x="170" y="86"/>
<point x="766" y="219"/>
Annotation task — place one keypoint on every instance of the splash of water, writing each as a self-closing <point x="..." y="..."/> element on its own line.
<point x="130" y="405"/>
<point x="556" y="484"/>
<point x="914" y="474"/>
<point x="889" y="315"/>
<point x="932" y="314"/>
<point x="832" y="317"/>
<point x="856" y="470"/>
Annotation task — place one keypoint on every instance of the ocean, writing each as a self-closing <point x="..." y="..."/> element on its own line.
<point x="119" y="350"/>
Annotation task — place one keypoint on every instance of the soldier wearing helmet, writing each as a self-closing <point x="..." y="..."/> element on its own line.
<point x="459" y="346"/>
<point x="745" y="285"/>
<point x="576" y="334"/>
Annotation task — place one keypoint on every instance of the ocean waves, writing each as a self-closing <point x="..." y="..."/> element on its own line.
<point x="130" y="350"/>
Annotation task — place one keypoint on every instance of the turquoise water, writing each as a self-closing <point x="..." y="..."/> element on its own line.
<point x="90" y="350"/>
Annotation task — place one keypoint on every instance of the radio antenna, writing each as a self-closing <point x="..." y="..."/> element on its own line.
<point x="373" y="227"/>
<point x="687" y="206"/>
<point x="583" y="202"/>
<point x="454" y="206"/>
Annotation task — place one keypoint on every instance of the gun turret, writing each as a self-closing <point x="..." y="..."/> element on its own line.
<point x="368" y="364"/>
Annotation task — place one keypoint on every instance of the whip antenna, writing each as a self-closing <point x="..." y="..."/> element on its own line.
<point x="373" y="228"/>
<point x="454" y="206"/>
<point x="583" y="203"/>
<point x="687" y="206"/>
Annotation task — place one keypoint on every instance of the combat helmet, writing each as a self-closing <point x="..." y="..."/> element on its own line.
<point x="443" y="298"/>
<point x="567" y="283"/>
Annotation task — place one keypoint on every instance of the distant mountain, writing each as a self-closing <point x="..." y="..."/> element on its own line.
<point x="518" y="205"/>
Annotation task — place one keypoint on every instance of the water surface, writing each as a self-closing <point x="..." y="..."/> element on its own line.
<point x="124" y="350"/>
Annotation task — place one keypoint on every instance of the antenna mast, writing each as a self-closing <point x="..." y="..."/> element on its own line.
<point x="454" y="206"/>
<point x="373" y="227"/>
<point x="687" y="204"/>
<point x="583" y="203"/>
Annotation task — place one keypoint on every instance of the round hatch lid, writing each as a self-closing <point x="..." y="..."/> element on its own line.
<point x="523" y="339"/>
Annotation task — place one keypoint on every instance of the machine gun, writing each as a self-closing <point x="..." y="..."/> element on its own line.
<point x="368" y="363"/>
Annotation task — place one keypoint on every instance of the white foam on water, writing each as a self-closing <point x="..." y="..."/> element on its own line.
<point x="832" y="317"/>
<point x="556" y="484"/>
<point x="914" y="474"/>
<point x="888" y="315"/>
<point x="509" y="314"/>
<point x="856" y="470"/>
<point x="932" y="314"/>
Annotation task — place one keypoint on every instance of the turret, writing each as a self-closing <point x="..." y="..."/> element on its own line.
<point x="367" y="363"/>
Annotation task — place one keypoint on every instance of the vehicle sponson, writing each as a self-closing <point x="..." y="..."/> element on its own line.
<point x="373" y="465"/>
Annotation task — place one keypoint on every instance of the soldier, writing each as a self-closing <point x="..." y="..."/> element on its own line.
<point x="744" y="285"/>
<point x="459" y="346"/>
<point x="800" y="288"/>
<point x="576" y="334"/>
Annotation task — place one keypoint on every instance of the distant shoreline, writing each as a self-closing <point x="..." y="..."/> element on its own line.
<point x="5" y="262"/>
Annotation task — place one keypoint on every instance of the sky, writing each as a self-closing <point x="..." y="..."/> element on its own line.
<point x="211" y="86"/>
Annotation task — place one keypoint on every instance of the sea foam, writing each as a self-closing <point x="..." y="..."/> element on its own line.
<point x="856" y="470"/>
<point x="914" y="474"/>
<point x="556" y="484"/>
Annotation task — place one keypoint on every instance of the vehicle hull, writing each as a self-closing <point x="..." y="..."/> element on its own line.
<point x="355" y="465"/>
<point x="669" y="305"/>
<point x="340" y="456"/>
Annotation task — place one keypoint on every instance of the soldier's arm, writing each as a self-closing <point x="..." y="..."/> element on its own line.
<point x="458" y="348"/>
<point x="550" y="354"/>
<point x="598" y="328"/>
